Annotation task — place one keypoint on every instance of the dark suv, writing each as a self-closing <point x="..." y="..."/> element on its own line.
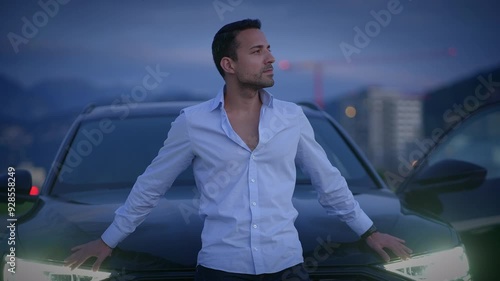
<point x="467" y="160"/>
<point x="108" y="147"/>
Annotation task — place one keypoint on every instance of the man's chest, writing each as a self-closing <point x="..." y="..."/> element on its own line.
<point x="246" y="126"/>
<point x="219" y="140"/>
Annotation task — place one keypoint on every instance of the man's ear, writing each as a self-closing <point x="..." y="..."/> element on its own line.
<point x="227" y="65"/>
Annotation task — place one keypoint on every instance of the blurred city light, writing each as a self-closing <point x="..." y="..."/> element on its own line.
<point x="350" y="111"/>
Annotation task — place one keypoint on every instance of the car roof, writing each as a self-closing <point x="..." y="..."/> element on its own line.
<point x="93" y="112"/>
<point x="135" y="109"/>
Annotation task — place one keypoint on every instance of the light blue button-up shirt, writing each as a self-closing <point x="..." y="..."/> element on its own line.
<point x="245" y="195"/>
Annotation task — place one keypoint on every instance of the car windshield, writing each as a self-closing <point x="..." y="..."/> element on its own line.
<point x="113" y="158"/>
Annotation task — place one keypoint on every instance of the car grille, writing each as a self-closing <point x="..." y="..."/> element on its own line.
<point x="356" y="273"/>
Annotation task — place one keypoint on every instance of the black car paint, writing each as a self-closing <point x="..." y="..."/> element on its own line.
<point x="55" y="225"/>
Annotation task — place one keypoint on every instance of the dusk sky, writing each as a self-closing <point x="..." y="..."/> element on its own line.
<point x="112" y="42"/>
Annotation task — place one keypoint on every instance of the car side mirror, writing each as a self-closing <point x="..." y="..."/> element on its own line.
<point x="17" y="183"/>
<point x="449" y="175"/>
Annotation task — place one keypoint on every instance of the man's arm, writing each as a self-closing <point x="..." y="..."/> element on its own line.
<point x="335" y="196"/>
<point x="173" y="158"/>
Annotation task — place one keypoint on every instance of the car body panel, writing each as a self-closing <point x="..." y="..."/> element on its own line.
<point x="175" y="217"/>
<point x="168" y="241"/>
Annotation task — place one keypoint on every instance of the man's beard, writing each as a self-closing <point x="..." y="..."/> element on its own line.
<point x="256" y="82"/>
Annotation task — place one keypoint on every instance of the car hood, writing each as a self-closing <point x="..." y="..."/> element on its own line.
<point x="170" y="237"/>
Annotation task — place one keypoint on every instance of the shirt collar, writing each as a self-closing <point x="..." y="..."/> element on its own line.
<point x="218" y="101"/>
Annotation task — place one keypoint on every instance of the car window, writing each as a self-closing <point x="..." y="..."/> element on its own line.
<point x="476" y="141"/>
<point x="100" y="160"/>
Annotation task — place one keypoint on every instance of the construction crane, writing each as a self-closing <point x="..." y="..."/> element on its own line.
<point x="318" y="67"/>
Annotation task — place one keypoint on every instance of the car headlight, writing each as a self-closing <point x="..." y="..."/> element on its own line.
<point x="449" y="265"/>
<point x="29" y="270"/>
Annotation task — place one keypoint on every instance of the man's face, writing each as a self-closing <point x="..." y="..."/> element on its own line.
<point x="253" y="66"/>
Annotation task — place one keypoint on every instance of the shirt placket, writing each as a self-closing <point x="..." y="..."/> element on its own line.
<point x="253" y="191"/>
<point x="255" y="232"/>
<point x="255" y="203"/>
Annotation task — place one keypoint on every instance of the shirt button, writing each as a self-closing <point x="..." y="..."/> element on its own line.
<point x="252" y="180"/>
<point x="254" y="226"/>
<point x="253" y="157"/>
<point x="254" y="203"/>
<point x="255" y="249"/>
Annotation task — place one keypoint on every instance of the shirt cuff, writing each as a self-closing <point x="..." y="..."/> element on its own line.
<point x="112" y="236"/>
<point x="361" y="224"/>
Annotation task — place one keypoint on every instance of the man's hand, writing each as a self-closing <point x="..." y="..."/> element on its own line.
<point x="380" y="241"/>
<point x="81" y="253"/>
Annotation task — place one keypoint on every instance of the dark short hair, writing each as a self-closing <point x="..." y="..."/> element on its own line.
<point x="225" y="45"/>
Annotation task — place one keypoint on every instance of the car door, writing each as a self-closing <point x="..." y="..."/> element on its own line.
<point x="470" y="204"/>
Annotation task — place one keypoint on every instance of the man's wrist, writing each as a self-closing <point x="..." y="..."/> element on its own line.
<point x="103" y="242"/>
<point x="369" y="232"/>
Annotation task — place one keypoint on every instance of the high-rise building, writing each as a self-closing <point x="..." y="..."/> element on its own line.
<point x="383" y="122"/>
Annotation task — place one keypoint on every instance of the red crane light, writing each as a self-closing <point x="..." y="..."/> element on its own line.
<point x="317" y="67"/>
<point x="284" y="65"/>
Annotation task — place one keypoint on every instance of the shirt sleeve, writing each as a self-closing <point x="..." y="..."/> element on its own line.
<point x="333" y="192"/>
<point x="173" y="158"/>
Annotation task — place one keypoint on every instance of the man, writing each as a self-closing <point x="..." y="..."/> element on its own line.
<point x="249" y="231"/>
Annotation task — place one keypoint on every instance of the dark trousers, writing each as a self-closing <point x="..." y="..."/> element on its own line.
<point x="295" y="273"/>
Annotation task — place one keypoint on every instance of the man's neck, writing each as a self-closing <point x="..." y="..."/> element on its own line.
<point x="243" y="100"/>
